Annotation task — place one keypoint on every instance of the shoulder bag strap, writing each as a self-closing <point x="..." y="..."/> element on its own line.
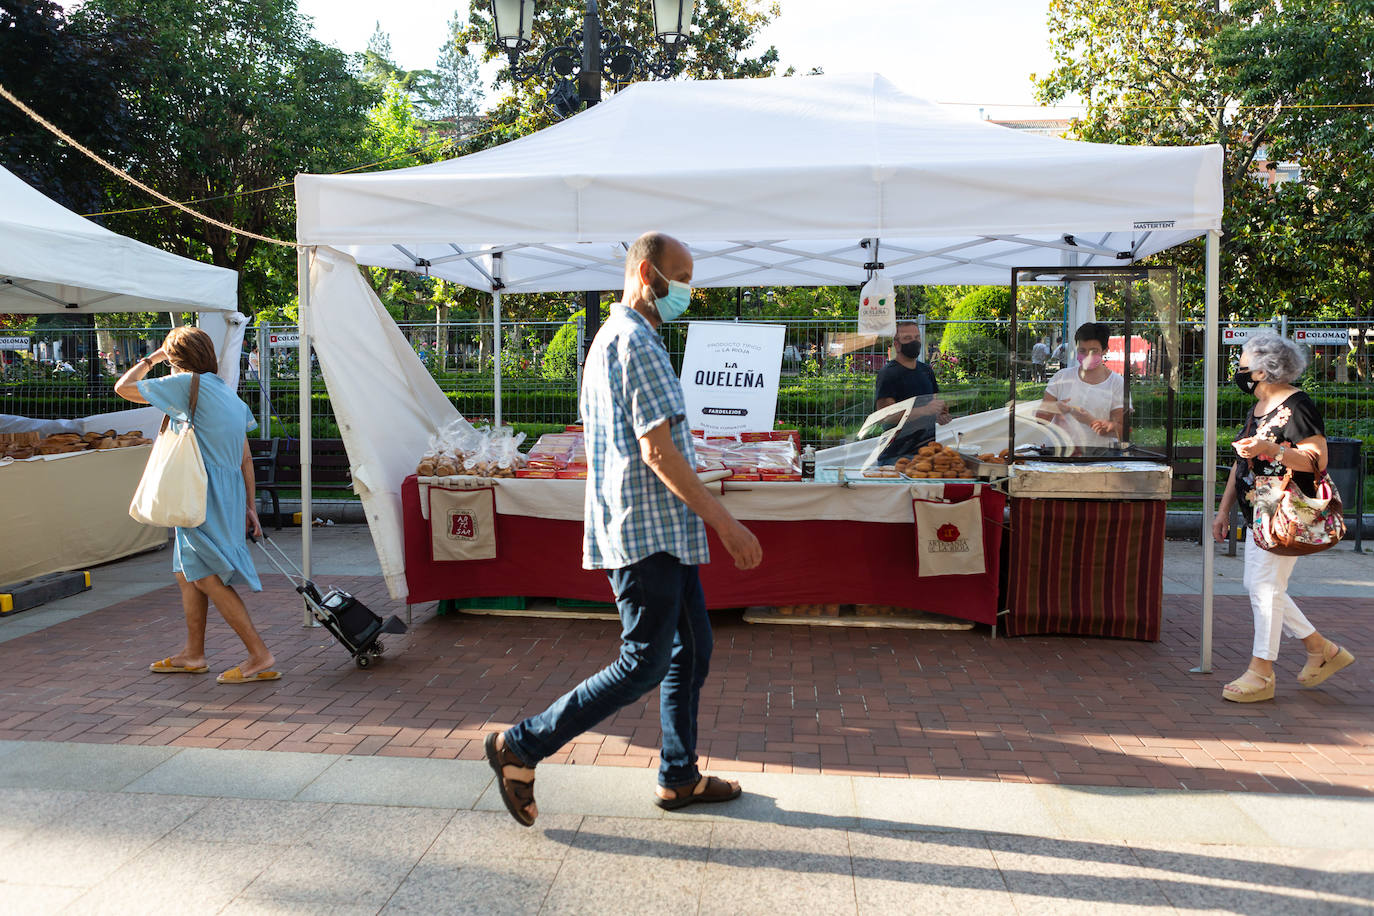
<point x="195" y="394"/>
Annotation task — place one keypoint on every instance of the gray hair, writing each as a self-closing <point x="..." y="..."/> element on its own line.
<point x="1281" y="360"/>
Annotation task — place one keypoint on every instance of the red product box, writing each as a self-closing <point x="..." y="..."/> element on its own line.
<point x="744" y="475"/>
<point x="778" y="475"/>
<point x="572" y="474"/>
<point x="544" y="473"/>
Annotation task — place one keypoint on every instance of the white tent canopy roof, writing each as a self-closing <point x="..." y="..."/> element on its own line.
<point x="52" y="260"/>
<point x="771" y="182"/>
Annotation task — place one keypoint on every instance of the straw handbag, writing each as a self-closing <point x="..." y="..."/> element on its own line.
<point x="172" y="491"/>
<point x="1291" y="523"/>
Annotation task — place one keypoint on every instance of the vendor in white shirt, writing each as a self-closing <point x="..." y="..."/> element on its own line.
<point x="1088" y="400"/>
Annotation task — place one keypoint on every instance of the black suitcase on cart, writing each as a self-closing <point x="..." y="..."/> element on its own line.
<point x="350" y="621"/>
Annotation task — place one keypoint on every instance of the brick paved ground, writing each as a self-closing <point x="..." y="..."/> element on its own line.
<point x="943" y="704"/>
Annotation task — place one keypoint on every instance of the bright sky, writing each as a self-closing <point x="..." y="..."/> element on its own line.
<point x="981" y="53"/>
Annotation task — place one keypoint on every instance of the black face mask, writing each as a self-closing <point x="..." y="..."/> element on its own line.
<point x="1245" y="381"/>
<point x="911" y="349"/>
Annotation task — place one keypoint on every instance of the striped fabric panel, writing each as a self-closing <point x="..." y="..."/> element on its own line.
<point x="1086" y="567"/>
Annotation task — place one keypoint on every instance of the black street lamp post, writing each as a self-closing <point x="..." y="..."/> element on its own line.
<point x="577" y="64"/>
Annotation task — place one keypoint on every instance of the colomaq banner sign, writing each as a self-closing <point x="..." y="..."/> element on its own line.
<point x="730" y="376"/>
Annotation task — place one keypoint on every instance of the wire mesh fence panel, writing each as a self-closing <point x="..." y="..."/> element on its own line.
<point x="68" y="373"/>
<point x="826" y="386"/>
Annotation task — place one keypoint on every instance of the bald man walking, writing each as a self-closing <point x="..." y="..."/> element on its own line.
<point x="645" y="513"/>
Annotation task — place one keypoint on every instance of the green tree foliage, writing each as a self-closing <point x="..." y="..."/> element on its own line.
<point x="458" y="94"/>
<point x="232" y="96"/>
<point x="1259" y="78"/>
<point x="63" y="69"/>
<point x="723" y="34"/>
<point x="980" y="348"/>
<point x="1321" y="53"/>
<point x="560" y="359"/>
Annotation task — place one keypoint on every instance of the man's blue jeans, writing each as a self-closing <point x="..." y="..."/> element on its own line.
<point x="665" y="640"/>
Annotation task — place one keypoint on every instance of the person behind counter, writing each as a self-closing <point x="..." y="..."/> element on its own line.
<point x="1088" y="400"/>
<point x="1283" y="431"/>
<point x="905" y="377"/>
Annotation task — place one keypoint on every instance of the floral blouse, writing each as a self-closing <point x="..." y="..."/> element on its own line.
<point x="1296" y="419"/>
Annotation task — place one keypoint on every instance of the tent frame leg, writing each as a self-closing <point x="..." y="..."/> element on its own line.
<point x="1209" y="450"/>
<point x="303" y="259"/>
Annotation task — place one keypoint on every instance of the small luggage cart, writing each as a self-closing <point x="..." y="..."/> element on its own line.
<point x="350" y="621"/>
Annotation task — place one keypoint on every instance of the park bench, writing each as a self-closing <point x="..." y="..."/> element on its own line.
<point x="1188" y="468"/>
<point x="277" y="467"/>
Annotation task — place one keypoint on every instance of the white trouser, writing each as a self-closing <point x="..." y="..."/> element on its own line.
<point x="1266" y="579"/>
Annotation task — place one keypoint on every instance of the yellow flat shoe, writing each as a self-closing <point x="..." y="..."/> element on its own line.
<point x="166" y="667"/>
<point x="235" y="676"/>
<point x="1238" y="692"/>
<point x="1311" y="675"/>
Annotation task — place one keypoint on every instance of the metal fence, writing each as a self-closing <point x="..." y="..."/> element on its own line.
<point x="826" y="388"/>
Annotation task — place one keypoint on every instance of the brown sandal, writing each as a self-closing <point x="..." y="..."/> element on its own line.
<point x="707" y="789"/>
<point x="518" y="794"/>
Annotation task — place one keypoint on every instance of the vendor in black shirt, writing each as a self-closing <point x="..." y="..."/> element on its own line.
<point x="904" y="377"/>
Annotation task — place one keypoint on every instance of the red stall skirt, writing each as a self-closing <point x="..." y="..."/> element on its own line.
<point x="804" y="562"/>
<point x="1086" y="567"/>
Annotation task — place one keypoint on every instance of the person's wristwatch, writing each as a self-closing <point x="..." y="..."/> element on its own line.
<point x="1283" y="447"/>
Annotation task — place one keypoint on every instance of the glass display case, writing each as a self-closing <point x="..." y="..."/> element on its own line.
<point x="1102" y="400"/>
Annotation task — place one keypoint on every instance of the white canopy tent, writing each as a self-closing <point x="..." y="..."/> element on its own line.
<point x="68" y="511"/>
<point x="779" y="181"/>
<point x="54" y="261"/>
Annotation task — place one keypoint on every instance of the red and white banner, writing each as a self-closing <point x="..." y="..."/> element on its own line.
<point x="1322" y="337"/>
<point x="1115" y="357"/>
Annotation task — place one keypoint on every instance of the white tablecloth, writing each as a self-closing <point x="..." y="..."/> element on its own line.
<point x="748" y="500"/>
<point x="62" y="512"/>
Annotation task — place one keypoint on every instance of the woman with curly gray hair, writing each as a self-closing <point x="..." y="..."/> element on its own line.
<point x="1284" y="431"/>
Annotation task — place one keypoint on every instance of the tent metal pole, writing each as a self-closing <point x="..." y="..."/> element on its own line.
<point x="264" y="384"/>
<point x="496" y="348"/>
<point x="303" y="257"/>
<point x="1209" y="449"/>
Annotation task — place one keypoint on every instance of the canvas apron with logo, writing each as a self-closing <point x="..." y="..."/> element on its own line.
<point x="949" y="536"/>
<point x="463" y="523"/>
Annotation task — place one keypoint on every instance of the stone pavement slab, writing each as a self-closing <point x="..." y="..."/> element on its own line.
<point x="140" y="851"/>
<point x="232" y="774"/>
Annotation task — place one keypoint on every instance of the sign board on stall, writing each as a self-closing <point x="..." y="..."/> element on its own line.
<point x="730" y="376"/>
<point x="278" y="341"/>
<point x="1322" y="337"/>
<point x="1115" y="357"/>
<point x="14" y="343"/>
<point x="1233" y="336"/>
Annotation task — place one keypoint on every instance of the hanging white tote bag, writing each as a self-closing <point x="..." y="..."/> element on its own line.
<point x="172" y="491"/>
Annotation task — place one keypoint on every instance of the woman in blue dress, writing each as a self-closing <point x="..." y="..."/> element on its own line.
<point x="207" y="560"/>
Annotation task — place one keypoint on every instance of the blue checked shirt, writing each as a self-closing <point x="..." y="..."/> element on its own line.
<point x="628" y="388"/>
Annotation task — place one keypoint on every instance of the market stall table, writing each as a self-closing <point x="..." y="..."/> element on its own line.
<point x="64" y="512"/>
<point x="822" y="543"/>
<point x="1087" y="550"/>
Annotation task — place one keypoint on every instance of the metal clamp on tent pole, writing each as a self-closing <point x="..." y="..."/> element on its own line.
<point x="497" y="284"/>
<point x="875" y="264"/>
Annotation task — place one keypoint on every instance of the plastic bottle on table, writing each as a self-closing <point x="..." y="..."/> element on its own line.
<point x="808" y="462"/>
